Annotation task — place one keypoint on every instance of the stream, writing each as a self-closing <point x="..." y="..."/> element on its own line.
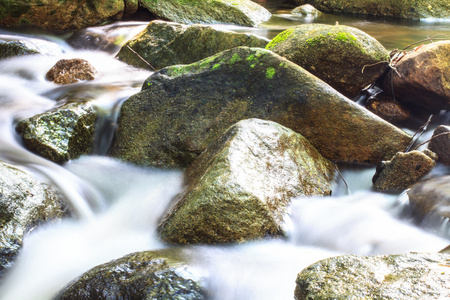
<point x="118" y="205"/>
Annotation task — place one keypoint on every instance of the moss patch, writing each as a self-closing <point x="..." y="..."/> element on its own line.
<point x="270" y="72"/>
<point x="280" y="38"/>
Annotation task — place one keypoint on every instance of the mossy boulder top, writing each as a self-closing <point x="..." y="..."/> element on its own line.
<point x="346" y="58"/>
<point x="411" y="9"/>
<point x="61" y="15"/>
<point x="239" y="188"/>
<point x="141" y="275"/>
<point x="163" y="44"/>
<point x="182" y="109"/>
<point x="238" y="12"/>
<point x="394" y="277"/>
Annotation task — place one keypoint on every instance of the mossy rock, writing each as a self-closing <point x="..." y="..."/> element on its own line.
<point x="25" y="203"/>
<point x="393" y="277"/>
<point x="15" y="48"/>
<point x="344" y="57"/>
<point x="440" y="144"/>
<point x="61" y="134"/>
<point x="164" y="44"/>
<point x="239" y="188"/>
<point x="59" y="15"/>
<point x="182" y="109"/>
<point x="238" y="12"/>
<point x="141" y="275"/>
<point x="407" y="9"/>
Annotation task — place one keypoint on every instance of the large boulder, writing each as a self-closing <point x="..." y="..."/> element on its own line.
<point x="141" y="275"/>
<point x="403" y="170"/>
<point x="440" y="144"/>
<point x="25" y="203"/>
<point x="61" y="134"/>
<point x="421" y="77"/>
<point x="62" y="15"/>
<point x="241" y="12"/>
<point x="412" y="9"/>
<point x="182" y="109"/>
<point x="430" y="199"/>
<point x="344" y="57"/>
<point x="164" y="44"/>
<point x="393" y="277"/>
<point x="238" y="189"/>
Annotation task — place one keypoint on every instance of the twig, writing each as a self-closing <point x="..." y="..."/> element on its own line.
<point x="342" y="177"/>
<point x="419" y="133"/>
<point x="427" y="39"/>
<point x="137" y="54"/>
<point x="432" y="138"/>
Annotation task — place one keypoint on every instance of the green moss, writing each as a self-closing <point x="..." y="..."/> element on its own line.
<point x="270" y="72"/>
<point x="235" y="58"/>
<point x="343" y="36"/>
<point x="216" y="66"/>
<point x="280" y="38"/>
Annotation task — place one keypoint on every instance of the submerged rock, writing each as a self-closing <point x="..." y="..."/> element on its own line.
<point x="344" y="57"/>
<point x="60" y="15"/>
<point x="182" y="109"/>
<point x="238" y="12"/>
<point x="70" y="71"/>
<point x="16" y="48"/>
<point x="60" y="134"/>
<point x="164" y="44"/>
<point x="440" y="144"/>
<point x="403" y="170"/>
<point x="421" y="77"/>
<point x="411" y="9"/>
<point x="25" y="203"/>
<point x="141" y="275"/>
<point x="239" y="188"/>
<point x="430" y="199"/>
<point x="394" y="277"/>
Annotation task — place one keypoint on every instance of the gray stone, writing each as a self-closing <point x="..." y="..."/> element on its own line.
<point x="440" y="144"/>
<point x="394" y="277"/>
<point x="239" y="188"/>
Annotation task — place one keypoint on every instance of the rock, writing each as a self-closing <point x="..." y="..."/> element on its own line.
<point x="393" y="277"/>
<point x="305" y="10"/>
<point x="25" y="203"/>
<point x="67" y="71"/>
<point x="423" y="77"/>
<point x="430" y="199"/>
<point x="141" y="275"/>
<point x="240" y="12"/>
<point x="388" y="108"/>
<point x="61" y="134"/>
<point x="61" y="15"/>
<point x="15" y="48"/>
<point x="238" y="189"/>
<point x="403" y="170"/>
<point x="413" y="9"/>
<point x="164" y="44"/>
<point x="441" y="144"/>
<point x="181" y="109"/>
<point x="336" y="54"/>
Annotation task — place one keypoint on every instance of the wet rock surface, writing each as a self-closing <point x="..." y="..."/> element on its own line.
<point x="60" y="134"/>
<point x="305" y="10"/>
<point x="395" y="277"/>
<point x="25" y="203"/>
<point x="344" y="57"/>
<point x="15" y="48"/>
<point x="164" y="44"/>
<point x="430" y="199"/>
<point x="388" y="108"/>
<point x="403" y="170"/>
<point x="141" y="275"/>
<point x="239" y="188"/>
<point x="182" y="109"/>
<point x="67" y="71"/>
<point x="238" y="12"/>
<point x="440" y="144"/>
<point x="421" y="77"/>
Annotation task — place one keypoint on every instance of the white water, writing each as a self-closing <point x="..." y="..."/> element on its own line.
<point x="128" y="202"/>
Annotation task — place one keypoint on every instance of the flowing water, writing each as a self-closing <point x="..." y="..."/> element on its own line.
<point x="118" y="205"/>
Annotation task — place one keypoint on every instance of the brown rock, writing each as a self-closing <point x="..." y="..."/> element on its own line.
<point x="421" y="77"/>
<point x="70" y="71"/>
<point x="440" y="144"/>
<point x="387" y="108"/>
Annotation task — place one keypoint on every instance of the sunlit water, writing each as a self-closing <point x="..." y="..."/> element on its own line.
<point x="118" y="205"/>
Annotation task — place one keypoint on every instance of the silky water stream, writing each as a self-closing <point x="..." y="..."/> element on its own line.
<point x="118" y="204"/>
